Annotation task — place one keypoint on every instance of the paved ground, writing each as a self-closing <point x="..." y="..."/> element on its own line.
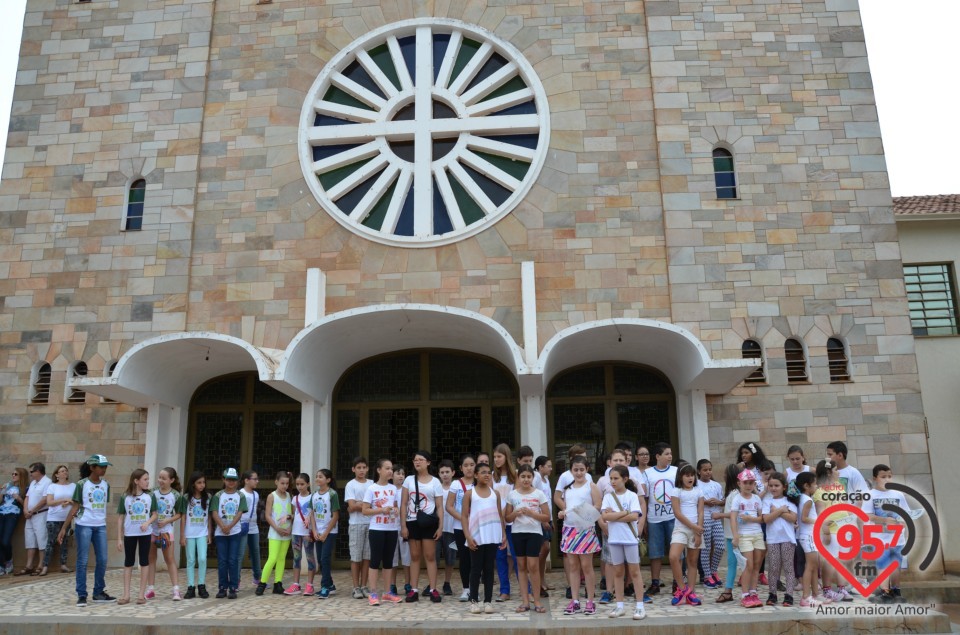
<point x="52" y="599"/>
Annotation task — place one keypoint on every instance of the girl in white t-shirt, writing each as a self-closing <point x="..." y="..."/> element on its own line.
<point x="136" y="514"/>
<point x="380" y="505"/>
<point x="780" y="514"/>
<point x="807" y="511"/>
<point x="544" y="468"/>
<point x="326" y="516"/>
<point x="527" y="509"/>
<point x="301" y="542"/>
<point x="195" y="534"/>
<point x="746" y="516"/>
<point x="170" y="508"/>
<point x="454" y="508"/>
<point x="797" y="464"/>
<point x="623" y="513"/>
<point x="423" y="538"/>
<point x="59" y="500"/>
<point x="687" y="503"/>
<point x="713" y="539"/>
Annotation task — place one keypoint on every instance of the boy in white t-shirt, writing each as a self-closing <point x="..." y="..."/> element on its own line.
<point x="894" y="538"/>
<point x="660" y="519"/>
<point x="359" y="527"/>
<point x="445" y="552"/>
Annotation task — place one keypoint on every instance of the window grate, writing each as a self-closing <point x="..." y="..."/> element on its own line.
<point x="41" y="384"/>
<point x="837" y="360"/>
<point x="931" y="299"/>
<point x="76" y="395"/>
<point x="751" y="349"/>
<point x="796" y="361"/>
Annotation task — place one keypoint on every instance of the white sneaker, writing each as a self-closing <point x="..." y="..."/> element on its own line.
<point x="617" y="612"/>
<point x="487" y="608"/>
<point x="357" y="593"/>
<point x="365" y="591"/>
<point x="640" y="613"/>
<point x="475" y="608"/>
<point x="465" y="596"/>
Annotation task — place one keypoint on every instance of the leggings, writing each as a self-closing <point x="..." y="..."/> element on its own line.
<point x="277" y="558"/>
<point x="301" y="545"/>
<point x="731" y="565"/>
<point x="8" y="522"/>
<point x="780" y="557"/>
<point x="483" y="562"/>
<point x="53" y="528"/>
<point x="463" y="555"/>
<point x="197" y="557"/>
<point x="712" y="540"/>
<point x="134" y="544"/>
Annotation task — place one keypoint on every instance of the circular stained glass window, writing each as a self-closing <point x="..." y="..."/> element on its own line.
<point x="423" y="132"/>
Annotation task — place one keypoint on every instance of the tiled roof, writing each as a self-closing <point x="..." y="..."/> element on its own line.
<point x="922" y="205"/>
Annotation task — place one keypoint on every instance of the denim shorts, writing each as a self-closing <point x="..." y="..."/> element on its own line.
<point x="658" y="541"/>
<point x="890" y="555"/>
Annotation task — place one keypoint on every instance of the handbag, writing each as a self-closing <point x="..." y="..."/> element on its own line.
<point x="426" y="522"/>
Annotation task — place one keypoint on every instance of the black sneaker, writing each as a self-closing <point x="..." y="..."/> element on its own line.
<point x="781" y="586"/>
<point x="278" y="588"/>
<point x="103" y="598"/>
<point x="628" y="590"/>
<point x="202" y="591"/>
<point x="886" y="597"/>
<point x="899" y="599"/>
<point x="435" y="596"/>
<point x="190" y="594"/>
<point x="412" y="596"/>
<point x="569" y="594"/>
<point x="447" y="590"/>
<point x="232" y="594"/>
<point x="81" y="601"/>
<point x="772" y="599"/>
<point x="603" y="584"/>
<point x="654" y="588"/>
<point x="222" y="593"/>
<point x="675" y="587"/>
<point x="260" y="588"/>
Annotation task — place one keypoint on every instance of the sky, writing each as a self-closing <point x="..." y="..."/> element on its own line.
<point x="913" y="49"/>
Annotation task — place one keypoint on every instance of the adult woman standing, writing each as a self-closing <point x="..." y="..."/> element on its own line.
<point x="11" y="508"/>
<point x="59" y="500"/>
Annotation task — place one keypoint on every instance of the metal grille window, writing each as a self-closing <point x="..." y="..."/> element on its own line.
<point x="135" y="200"/>
<point x="76" y="395"/>
<point x="723" y="174"/>
<point x="112" y="366"/>
<point x="751" y="349"/>
<point x="796" y="361"/>
<point x="837" y="360"/>
<point x="930" y="294"/>
<point x="41" y="384"/>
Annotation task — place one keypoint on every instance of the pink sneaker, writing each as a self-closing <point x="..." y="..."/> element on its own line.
<point x="150" y="594"/>
<point x="590" y="608"/>
<point x="392" y="597"/>
<point x="293" y="589"/>
<point x="692" y="599"/>
<point x="374" y="599"/>
<point x="308" y="590"/>
<point x="176" y="595"/>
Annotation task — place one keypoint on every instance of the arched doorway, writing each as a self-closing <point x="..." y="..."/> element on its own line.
<point x="597" y="405"/>
<point x="446" y="402"/>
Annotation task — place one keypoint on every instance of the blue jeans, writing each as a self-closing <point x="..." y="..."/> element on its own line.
<point x="324" y="557"/>
<point x="731" y="565"/>
<point x="503" y="570"/>
<point x="228" y="550"/>
<point x="251" y="543"/>
<point x="8" y="522"/>
<point x="97" y="536"/>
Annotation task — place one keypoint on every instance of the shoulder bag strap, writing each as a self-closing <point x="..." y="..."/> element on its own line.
<point x="616" y="499"/>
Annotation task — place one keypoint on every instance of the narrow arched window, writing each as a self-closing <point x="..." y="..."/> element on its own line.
<point x="752" y="349"/>
<point x="135" y="199"/>
<point x="40" y="383"/>
<point x="723" y="174"/>
<point x="76" y="395"/>
<point x="796" y="361"/>
<point x="837" y="360"/>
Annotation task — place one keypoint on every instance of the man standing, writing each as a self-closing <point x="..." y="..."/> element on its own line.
<point x="35" y="513"/>
<point x="90" y="501"/>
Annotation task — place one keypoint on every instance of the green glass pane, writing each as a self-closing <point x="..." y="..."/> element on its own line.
<point x="722" y="164"/>
<point x="374" y="219"/>
<point x="469" y="208"/>
<point x="516" y="169"/>
<point x="138" y="191"/>
<point x="467" y="50"/>
<point x="512" y="86"/>
<point x="381" y="57"/>
<point x="344" y="98"/>
<point x="331" y="178"/>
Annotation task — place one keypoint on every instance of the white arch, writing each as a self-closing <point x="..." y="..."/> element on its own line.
<point x="168" y="369"/>
<point x="317" y="357"/>
<point x="672" y="349"/>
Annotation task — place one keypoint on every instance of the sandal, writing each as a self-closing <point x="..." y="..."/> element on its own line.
<point x="726" y="596"/>
<point x="123" y="601"/>
<point x="65" y="569"/>
<point x="523" y="608"/>
<point x="24" y="571"/>
<point x="539" y="609"/>
<point x="42" y="572"/>
<point x="503" y="597"/>
<point x="141" y="600"/>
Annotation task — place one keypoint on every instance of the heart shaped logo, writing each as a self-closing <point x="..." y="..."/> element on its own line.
<point x="845" y="509"/>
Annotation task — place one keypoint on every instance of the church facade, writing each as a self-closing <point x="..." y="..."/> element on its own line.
<point x="282" y="234"/>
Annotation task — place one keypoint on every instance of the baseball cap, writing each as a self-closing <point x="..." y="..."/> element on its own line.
<point x="98" y="459"/>
<point x="746" y="475"/>
<point x="231" y="473"/>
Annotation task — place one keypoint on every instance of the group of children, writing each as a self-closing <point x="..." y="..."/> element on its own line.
<point x="497" y="516"/>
